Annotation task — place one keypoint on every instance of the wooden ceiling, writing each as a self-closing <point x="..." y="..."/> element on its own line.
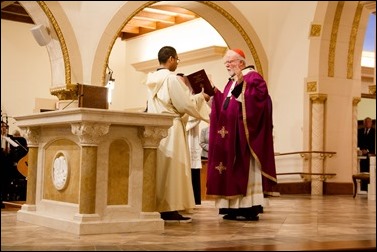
<point x="152" y="18"/>
<point x="12" y="10"/>
<point x="155" y="17"/>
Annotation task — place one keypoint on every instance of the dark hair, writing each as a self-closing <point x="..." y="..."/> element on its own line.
<point x="165" y="53"/>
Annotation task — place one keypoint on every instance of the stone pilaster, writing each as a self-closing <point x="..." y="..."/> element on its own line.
<point x="355" y="161"/>
<point x="150" y="137"/>
<point x="317" y="140"/>
<point x="32" y="135"/>
<point x="90" y="135"/>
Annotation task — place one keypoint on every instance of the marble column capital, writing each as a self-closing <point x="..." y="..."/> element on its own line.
<point x="372" y="89"/>
<point x="32" y="135"/>
<point x="318" y="98"/>
<point x="356" y="101"/>
<point x="90" y="133"/>
<point x="151" y="136"/>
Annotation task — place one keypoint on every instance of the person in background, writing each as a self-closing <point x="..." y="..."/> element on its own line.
<point x="5" y="162"/>
<point x="203" y="141"/>
<point x="21" y="150"/>
<point x="168" y="94"/>
<point x="241" y="162"/>
<point x="366" y="142"/>
<point x="4" y="133"/>
<point x="192" y="128"/>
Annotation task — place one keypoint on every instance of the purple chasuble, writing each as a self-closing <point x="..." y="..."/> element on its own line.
<point x="231" y="146"/>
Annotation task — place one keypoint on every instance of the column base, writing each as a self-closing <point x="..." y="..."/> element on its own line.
<point x="89" y="224"/>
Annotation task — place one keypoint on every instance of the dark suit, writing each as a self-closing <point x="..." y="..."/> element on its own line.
<point x="16" y="153"/>
<point x="13" y="183"/>
<point x="366" y="141"/>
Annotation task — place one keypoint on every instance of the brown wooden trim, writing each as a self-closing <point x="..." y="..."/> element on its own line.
<point x="306" y="173"/>
<point x="331" y="188"/>
<point x="305" y="152"/>
<point x="370" y="96"/>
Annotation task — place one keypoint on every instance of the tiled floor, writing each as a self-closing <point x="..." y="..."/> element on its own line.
<point x="289" y="222"/>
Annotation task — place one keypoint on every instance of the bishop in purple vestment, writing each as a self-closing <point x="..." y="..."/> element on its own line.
<point x="241" y="162"/>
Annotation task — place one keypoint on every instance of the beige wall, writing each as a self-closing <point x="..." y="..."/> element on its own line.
<point x="281" y="29"/>
<point x="130" y="91"/>
<point x="367" y="108"/>
<point x="25" y="70"/>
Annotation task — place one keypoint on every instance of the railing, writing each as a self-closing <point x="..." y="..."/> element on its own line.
<point x="302" y="153"/>
<point x="323" y="154"/>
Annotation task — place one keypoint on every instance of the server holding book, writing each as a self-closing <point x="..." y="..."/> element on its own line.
<point x="197" y="82"/>
<point x="167" y="93"/>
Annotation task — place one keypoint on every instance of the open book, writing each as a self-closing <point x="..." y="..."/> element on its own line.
<point x="199" y="80"/>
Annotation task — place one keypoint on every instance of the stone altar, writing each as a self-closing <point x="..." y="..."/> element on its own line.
<point x="92" y="171"/>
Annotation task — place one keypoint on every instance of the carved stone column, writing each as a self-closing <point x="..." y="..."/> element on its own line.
<point x="150" y="137"/>
<point x="317" y="136"/>
<point x="355" y="161"/>
<point x="372" y="179"/>
<point x="31" y="135"/>
<point x="90" y="135"/>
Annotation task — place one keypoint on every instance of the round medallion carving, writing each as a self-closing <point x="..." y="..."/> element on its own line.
<point x="60" y="171"/>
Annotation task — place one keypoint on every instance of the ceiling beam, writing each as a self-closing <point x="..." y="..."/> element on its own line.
<point x="152" y="18"/>
<point x="5" y="4"/>
<point x="144" y="15"/>
<point x="173" y="10"/>
<point x="141" y="23"/>
<point x="131" y="29"/>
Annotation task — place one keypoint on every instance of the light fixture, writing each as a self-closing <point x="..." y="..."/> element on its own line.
<point x="110" y="84"/>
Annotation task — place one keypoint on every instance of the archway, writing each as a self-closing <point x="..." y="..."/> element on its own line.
<point x="236" y="33"/>
<point x="334" y="82"/>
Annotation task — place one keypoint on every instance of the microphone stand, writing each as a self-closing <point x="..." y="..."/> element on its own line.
<point x="78" y="97"/>
<point x="23" y="147"/>
<point x="69" y="104"/>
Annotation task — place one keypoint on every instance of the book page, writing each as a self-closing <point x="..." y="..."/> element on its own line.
<point x="9" y="140"/>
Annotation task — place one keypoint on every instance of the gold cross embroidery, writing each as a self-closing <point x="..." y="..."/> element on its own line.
<point x="222" y="132"/>
<point x="220" y="168"/>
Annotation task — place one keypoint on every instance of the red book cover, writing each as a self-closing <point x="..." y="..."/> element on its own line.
<point x="199" y="80"/>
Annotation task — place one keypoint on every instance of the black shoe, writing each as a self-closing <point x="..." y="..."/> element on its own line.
<point x="240" y="217"/>
<point x="259" y="208"/>
<point x="249" y="211"/>
<point x="174" y="216"/>
<point x="249" y="218"/>
<point x="230" y="217"/>
<point x="223" y="211"/>
<point x="231" y="211"/>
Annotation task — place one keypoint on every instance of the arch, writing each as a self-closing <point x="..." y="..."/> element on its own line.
<point x="52" y="16"/>
<point x="334" y="69"/>
<point x="337" y="36"/>
<point x="220" y="15"/>
<point x="236" y="33"/>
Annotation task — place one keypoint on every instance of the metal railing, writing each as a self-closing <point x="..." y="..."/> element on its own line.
<point x="305" y="154"/>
